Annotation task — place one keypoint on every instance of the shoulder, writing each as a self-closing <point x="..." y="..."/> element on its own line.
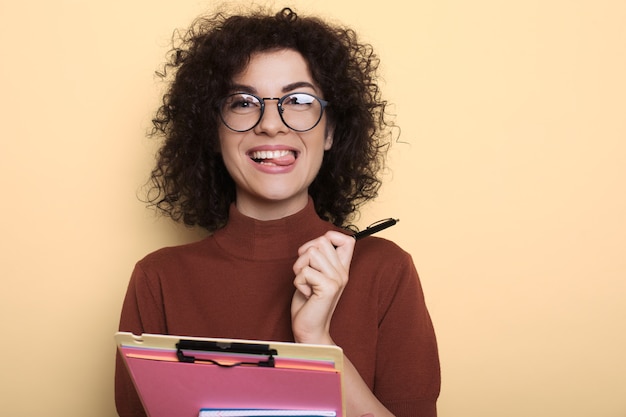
<point x="383" y="270"/>
<point x="171" y="266"/>
<point x="176" y="255"/>
<point x="383" y="264"/>
<point x="377" y="249"/>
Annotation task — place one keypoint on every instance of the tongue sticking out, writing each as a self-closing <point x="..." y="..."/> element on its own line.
<point x="280" y="158"/>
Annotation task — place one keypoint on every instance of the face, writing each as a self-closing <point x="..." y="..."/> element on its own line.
<point x="273" y="165"/>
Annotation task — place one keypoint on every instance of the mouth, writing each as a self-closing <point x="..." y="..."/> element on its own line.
<point x="282" y="157"/>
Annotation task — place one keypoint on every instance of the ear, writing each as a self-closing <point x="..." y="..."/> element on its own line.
<point x="328" y="142"/>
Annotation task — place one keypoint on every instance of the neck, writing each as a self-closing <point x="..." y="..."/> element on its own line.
<point x="250" y="238"/>
<point x="261" y="209"/>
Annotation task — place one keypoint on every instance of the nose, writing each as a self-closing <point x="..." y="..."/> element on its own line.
<point x="271" y="123"/>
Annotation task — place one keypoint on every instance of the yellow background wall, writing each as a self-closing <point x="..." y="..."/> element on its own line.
<point x="509" y="181"/>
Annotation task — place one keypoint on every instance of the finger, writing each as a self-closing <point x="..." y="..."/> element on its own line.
<point x="311" y="282"/>
<point x="315" y="253"/>
<point x="333" y="244"/>
<point x="344" y="245"/>
<point x="303" y="288"/>
<point x="325" y="262"/>
<point x="315" y="243"/>
<point x="337" y="247"/>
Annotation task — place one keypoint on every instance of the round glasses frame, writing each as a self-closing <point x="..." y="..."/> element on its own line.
<point x="281" y="109"/>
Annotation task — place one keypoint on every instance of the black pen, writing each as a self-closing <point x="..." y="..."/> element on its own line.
<point x="375" y="227"/>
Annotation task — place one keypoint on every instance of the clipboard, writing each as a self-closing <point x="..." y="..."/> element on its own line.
<point x="180" y="375"/>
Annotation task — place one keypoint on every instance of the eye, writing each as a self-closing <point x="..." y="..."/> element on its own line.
<point x="242" y="103"/>
<point x="298" y="101"/>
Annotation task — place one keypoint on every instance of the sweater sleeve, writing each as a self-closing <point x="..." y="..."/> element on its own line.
<point x="407" y="380"/>
<point x="142" y="312"/>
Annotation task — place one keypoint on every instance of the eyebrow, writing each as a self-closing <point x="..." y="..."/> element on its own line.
<point x="285" y="89"/>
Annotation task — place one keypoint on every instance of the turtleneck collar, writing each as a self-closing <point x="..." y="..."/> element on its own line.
<point x="252" y="239"/>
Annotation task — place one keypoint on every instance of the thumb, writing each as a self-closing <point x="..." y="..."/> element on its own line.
<point x="344" y="245"/>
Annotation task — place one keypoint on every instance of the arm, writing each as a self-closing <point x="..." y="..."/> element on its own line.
<point x="408" y="381"/>
<point x="322" y="271"/>
<point x="140" y="314"/>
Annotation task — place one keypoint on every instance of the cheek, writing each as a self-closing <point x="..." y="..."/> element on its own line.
<point x="226" y="144"/>
<point x="229" y="157"/>
<point x="227" y="152"/>
<point x="222" y="138"/>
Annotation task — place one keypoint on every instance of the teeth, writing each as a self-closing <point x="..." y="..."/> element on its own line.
<point x="269" y="154"/>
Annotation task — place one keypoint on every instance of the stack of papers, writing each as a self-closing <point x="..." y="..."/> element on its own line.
<point x="203" y="377"/>
<point x="265" y="413"/>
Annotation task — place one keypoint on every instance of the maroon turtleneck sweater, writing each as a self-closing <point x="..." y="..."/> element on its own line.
<point x="238" y="283"/>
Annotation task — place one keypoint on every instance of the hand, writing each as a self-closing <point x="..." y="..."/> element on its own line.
<point x="322" y="272"/>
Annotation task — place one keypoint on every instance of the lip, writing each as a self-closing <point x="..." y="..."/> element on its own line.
<point x="269" y="168"/>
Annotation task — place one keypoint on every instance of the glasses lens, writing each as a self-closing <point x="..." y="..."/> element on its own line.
<point x="301" y="111"/>
<point x="241" y="111"/>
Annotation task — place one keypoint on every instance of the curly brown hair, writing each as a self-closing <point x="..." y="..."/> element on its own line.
<point x="190" y="182"/>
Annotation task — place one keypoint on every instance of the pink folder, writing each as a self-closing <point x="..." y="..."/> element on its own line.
<point x="168" y="387"/>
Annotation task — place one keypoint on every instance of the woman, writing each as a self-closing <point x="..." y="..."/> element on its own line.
<point x="274" y="135"/>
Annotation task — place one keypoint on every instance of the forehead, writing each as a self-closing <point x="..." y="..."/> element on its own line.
<point x="274" y="71"/>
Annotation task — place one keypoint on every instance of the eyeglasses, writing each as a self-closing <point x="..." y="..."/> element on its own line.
<point x="298" y="111"/>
